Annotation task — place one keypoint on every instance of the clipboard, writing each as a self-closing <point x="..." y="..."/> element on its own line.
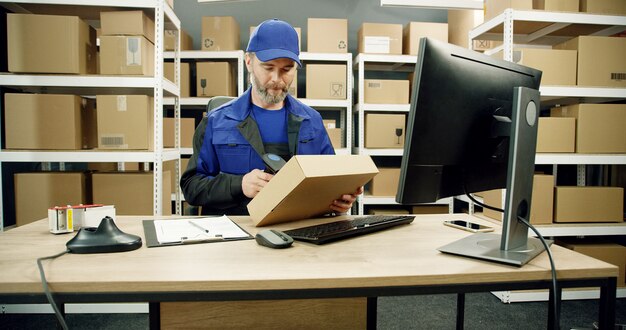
<point x="192" y="231"/>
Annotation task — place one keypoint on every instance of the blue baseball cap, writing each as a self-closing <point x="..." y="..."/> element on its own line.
<point x="274" y="39"/>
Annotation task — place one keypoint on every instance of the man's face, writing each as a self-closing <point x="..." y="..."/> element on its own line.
<point x="271" y="79"/>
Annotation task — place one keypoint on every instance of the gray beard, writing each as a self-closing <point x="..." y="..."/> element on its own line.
<point x="262" y="91"/>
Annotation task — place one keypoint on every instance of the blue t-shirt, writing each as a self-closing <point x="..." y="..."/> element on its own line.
<point x="272" y="124"/>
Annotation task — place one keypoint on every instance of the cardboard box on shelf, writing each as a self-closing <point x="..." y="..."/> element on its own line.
<point x="386" y="91"/>
<point x="50" y="44"/>
<point x="588" y="204"/>
<point x="215" y="79"/>
<point x="327" y="35"/>
<point x="185" y="77"/>
<point x="556" y="134"/>
<point x="599" y="127"/>
<point x="131" y="192"/>
<point x="127" y="23"/>
<point x="298" y="31"/>
<point x="36" y="192"/>
<point x="387" y="211"/>
<point x="601" y="249"/>
<point x="170" y="167"/>
<point x="541" y="211"/>
<point x="413" y="31"/>
<point x="385" y="183"/>
<point x="126" y="55"/>
<point x="609" y="7"/>
<point x="112" y="167"/>
<point x="326" y="81"/>
<point x="187" y="128"/>
<point x="307" y="185"/>
<point x="558" y="65"/>
<point x="334" y="133"/>
<point x="379" y="38"/>
<point x="49" y="121"/>
<point x="556" y="5"/>
<point x="384" y="130"/>
<point x="186" y="41"/>
<point x="125" y="122"/>
<point x="220" y="33"/>
<point x="430" y="209"/>
<point x="494" y="8"/>
<point x="600" y="60"/>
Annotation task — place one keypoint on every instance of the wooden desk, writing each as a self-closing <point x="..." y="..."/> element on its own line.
<point x="399" y="261"/>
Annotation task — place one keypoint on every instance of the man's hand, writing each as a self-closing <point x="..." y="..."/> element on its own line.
<point x="254" y="181"/>
<point x="343" y="204"/>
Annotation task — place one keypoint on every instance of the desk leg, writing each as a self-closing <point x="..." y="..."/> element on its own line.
<point x="372" y="309"/>
<point x="607" y="304"/>
<point x="460" y="310"/>
<point x="154" y="315"/>
<point x="552" y="317"/>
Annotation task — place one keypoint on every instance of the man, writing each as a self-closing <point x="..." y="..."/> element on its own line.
<point x="226" y="169"/>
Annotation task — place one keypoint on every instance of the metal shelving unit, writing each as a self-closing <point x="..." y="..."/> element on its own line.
<point x="544" y="29"/>
<point x="89" y="85"/>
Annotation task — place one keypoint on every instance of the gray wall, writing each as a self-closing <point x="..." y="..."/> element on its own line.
<point x="252" y="12"/>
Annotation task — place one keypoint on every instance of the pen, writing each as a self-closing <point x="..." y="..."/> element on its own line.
<point x="199" y="227"/>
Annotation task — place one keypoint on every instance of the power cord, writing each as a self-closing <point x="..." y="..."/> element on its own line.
<point x="46" y="289"/>
<point x="556" y="302"/>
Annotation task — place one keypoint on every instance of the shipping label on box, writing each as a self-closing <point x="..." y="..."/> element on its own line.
<point x="384" y="130"/>
<point x="215" y="79"/>
<point x="125" y="122"/>
<point x="50" y="44"/>
<point x="327" y="35"/>
<point x="326" y="81"/>
<point x="123" y="55"/>
<point x="220" y="33"/>
<point x="307" y="185"/>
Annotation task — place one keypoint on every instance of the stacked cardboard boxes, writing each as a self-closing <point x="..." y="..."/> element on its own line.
<point x="126" y="43"/>
<point x="125" y="122"/>
<point x="220" y="33"/>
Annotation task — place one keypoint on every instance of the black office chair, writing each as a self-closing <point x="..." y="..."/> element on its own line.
<point x="213" y="103"/>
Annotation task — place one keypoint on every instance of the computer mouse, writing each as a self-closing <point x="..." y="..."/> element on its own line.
<point x="274" y="239"/>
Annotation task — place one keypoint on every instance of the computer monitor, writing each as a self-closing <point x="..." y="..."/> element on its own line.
<point x="472" y="126"/>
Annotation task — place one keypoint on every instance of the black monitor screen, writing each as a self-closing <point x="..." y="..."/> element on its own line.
<point x="453" y="141"/>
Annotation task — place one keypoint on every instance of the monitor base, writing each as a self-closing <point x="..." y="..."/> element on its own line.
<point x="487" y="247"/>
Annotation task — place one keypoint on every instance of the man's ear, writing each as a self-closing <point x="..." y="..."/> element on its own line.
<point x="248" y="61"/>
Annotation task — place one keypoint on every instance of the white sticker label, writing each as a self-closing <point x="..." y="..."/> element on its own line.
<point x="133" y="51"/>
<point x="377" y="45"/>
<point x="121" y="103"/>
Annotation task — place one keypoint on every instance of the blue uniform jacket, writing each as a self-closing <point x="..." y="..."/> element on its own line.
<point x="226" y="148"/>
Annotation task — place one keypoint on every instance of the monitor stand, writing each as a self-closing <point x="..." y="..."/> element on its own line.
<point x="513" y="247"/>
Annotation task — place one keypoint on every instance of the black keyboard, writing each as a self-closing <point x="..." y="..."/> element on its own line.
<point x="333" y="231"/>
